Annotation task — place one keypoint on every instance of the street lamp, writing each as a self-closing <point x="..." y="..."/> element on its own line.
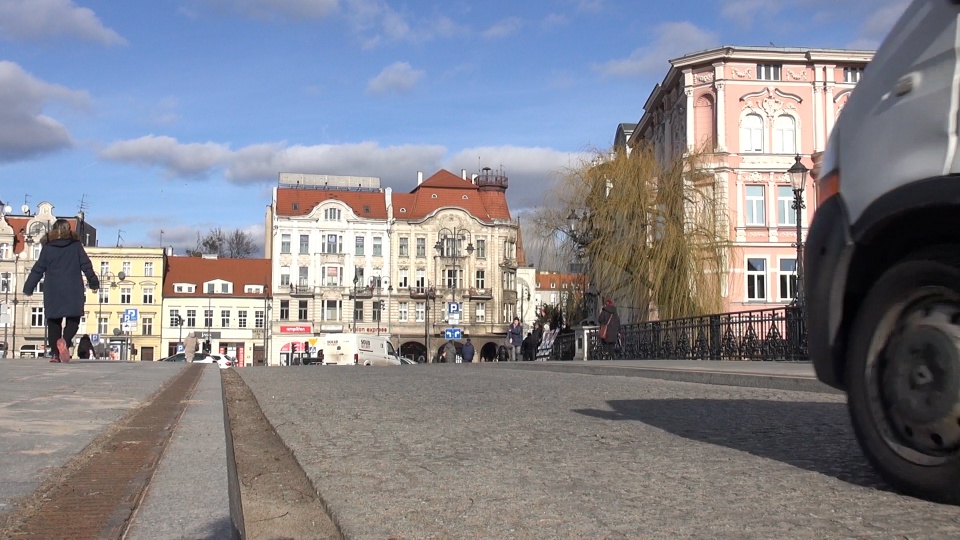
<point x="579" y="232"/>
<point x="448" y="246"/>
<point x="798" y="180"/>
<point x="356" y="286"/>
<point x="105" y="278"/>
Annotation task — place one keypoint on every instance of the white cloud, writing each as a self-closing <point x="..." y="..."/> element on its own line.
<point x="40" y="20"/>
<point x="25" y="131"/>
<point x="743" y="12"/>
<point x="503" y="28"/>
<point x="397" y="78"/>
<point x="877" y="25"/>
<point x="195" y="159"/>
<point x="672" y="40"/>
<point x="531" y="172"/>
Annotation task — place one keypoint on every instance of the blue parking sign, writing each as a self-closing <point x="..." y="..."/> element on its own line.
<point x="131" y="314"/>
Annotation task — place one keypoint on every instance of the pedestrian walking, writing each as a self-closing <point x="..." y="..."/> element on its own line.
<point x="514" y="339"/>
<point x="468" y="351"/>
<point x="537" y="338"/>
<point x="450" y="352"/>
<point x="609" y="328"/>
<point x="85" y="348"/>
<point x="527" y="348"/>
<point x="62" y="264"/>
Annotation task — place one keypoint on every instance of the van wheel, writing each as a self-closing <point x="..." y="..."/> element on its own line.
<point x="903" y="376"/>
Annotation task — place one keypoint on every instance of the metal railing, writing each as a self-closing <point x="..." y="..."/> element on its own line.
<point x="777" y="334"/>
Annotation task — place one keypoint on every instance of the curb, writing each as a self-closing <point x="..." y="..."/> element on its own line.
<point x="701" y="376"/>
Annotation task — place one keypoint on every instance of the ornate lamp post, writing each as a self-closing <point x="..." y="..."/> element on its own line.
<point x="356" y="286"/>
<point x="579" y="232"/>
<point x="448" y="246"/>
<point x="798" y="180"/>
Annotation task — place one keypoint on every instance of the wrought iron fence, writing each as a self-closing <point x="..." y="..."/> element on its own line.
<point x="777" y="334"/>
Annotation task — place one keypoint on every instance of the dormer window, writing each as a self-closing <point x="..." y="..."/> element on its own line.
<point x="332" y="214"/>
<point x="185" y="288"/>
<point x="253" y="289"/>
<point x="296" y="206"/>
<point x="218" y="286"/>
<point x="433" y="196"/>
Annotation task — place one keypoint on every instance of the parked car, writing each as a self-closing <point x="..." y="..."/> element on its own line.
<point x="182" y="357"/>
<point x="223" y="360"/>
<point x="882" y="272"/>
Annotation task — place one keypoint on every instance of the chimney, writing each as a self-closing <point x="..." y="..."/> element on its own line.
<point x="419" y="177"/>
<point x="463" y="174"/>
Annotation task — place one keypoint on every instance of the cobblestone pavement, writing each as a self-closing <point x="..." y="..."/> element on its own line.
<point x="463" y="451"/>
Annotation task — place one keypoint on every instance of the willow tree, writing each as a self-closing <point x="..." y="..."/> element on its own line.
<point x="654" y="235"/>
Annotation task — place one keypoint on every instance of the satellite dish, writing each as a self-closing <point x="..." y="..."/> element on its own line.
<point x="25" y="209"/>
<point x="7" y="209"/>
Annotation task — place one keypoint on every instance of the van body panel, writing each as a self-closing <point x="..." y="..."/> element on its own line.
<point x="910" y="83"/>
<point x="358" y="349"/>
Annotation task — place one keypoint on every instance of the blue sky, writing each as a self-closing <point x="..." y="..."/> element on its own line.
<point x="178" y="115"/>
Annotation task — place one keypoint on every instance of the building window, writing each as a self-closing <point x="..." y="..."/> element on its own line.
<point x="332" y="275"/>
<point x="481" y="248"/>
<point x="126" y="268"/>
<point x="421" y="311"/>
<point x="242" y="318"/>
<point x="6" y="282"/>
<point x="258" y="318"/>
<point x="421" y="282"/>
<point x="377" y="310"/>
<point x="147" y="325"/>
<point x="331" y="214"/>
<point x="148" y="295"/>
<point x="788" y="280"/>
<point x="302" y="310"/>
<point x="480" y="313"/>
<point x="332" y="244"/>
<point x="208" y="318"/>
<point x="421" y="247"/>
<point x="148" y="269"/>
<point x="211" y="288"/>
<point x="768" y="72"/>
<point x="378" y="246"/>
<point x="285" y="276"/>
<point x="284" y="310"/>
<point x="756" y="279"/>
<point x="304" y="244"/>
<point x="225" y="318"/>
<point x="786" y="215"/>
<point x="174" y="317"/>
<point x="125" y="295"/>
<point x="359" y="246"/>
<point x="358" y="310"/>
<point x="102" y="325"/>
<point x="404" y="310"/>
<point x="404" y="279"/>
<point x="481" y="279"/>
<point x="285" y="243"/>
<point x="404" y="247"/>
<point x="784" y="135"/>
<point x="451" y="278"/>
<point x="751" y="133"/>
<point x="191" y="318"/>
<point x="755" y="215"/>
<point x="36" y="317"/>
<point x="358" y="275"/>
<point x="852" y="74"/>
<point x="225" y="288"/>
<point x="303" y="276"/>
<point x="4" y="250"/>
<point x="104" y="267"/>
<point x="331" y="310"/>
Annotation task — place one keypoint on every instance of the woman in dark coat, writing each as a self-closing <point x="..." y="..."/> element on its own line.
<point x="61" y="265"/>
<point x="85" y="348"/>
<point x="610" y="321"/>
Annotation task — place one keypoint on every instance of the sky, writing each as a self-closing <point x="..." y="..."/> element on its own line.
<point x="178" y="115"/>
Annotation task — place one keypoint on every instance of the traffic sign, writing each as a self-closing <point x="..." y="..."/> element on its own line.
<point x="453" y="308"/>
<point x="94" y="338"/>
<point x="453" y="333"/>
<point x="131" y="315"/>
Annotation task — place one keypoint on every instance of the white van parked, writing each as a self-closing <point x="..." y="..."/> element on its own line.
<point x="357" y="349"/>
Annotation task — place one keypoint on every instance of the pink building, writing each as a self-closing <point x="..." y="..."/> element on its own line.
<point x="753" y="109"/>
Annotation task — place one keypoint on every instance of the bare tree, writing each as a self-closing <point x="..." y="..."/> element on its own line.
<point x="235" y="244"/>
<point x="653" y="235"/>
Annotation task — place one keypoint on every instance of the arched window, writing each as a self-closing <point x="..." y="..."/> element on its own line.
<point x="704" y="123"/>
<point x="751" y="133"/>
<point x="784" y="135"/>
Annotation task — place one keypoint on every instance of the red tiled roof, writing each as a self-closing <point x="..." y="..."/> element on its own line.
<point x="300" y="202"/>
<point x="445" y="189"/>
<point x="198" y="270"/>
<point x="20" y="222"/>
<point x="545" y="279"/>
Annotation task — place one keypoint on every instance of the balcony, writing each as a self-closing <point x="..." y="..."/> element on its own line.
<point x="509" y="263"/>
<point x="361" y="293"/>
<point x="480" y="294"/>
<point x="423" y="292"/>
<point x="510" y="297"/>
<point x="301" y="290"/>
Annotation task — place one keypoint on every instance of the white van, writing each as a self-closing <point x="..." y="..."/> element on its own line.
<point x="357" y="349"/>
<point x="882" y="260"/>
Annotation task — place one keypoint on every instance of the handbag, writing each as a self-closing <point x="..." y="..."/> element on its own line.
<point x="603" y="332"/>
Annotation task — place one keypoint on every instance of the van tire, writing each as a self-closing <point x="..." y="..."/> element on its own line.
<point x="910" y="308"/>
